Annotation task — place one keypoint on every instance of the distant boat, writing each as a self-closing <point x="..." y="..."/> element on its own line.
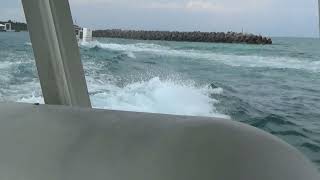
<point x="83" y="34"/>
<point x="7" y="27"/>
<point x="2" y="28"/>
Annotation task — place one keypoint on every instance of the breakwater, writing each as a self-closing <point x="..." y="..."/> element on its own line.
<point x="214" y="37"/>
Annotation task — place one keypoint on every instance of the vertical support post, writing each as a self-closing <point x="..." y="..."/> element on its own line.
<point x="56" y="52"/>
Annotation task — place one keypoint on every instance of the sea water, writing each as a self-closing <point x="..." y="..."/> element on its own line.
<point x="273" y="87"/>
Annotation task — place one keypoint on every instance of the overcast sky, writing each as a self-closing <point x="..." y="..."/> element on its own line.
<point x="267" y="17"/>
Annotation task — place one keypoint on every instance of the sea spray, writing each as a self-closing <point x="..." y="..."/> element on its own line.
<point x="153" y="96"/>
<point x="157" y="96"/>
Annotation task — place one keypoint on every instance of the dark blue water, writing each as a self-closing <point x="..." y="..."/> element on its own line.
<point x="275" y="88"/>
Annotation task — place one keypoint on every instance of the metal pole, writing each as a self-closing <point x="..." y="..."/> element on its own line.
<point x="56" y="52"/>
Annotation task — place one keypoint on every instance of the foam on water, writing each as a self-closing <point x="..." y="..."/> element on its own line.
<point x="32" y="99"/>
<point x="251" y="61"/>
<point x="5" y="65"/>
<point x="153" y="96"/>
<point x="28" y="43"/>
<point x="131" y="55"/>
<point x="138" y="47"/>
<point x="156" y="96"/>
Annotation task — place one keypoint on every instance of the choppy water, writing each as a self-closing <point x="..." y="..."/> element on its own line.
<point x="275" y="88"/>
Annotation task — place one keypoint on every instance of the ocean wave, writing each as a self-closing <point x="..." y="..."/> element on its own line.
<point x="312" y="147"/>
<point x="5" y="65"/>
<point x="11" y="62"/>
<point x="289" y="133"/>
<point x="138" y="47"/>
<point x="32" y="99"/>
<point x="157" y="96"/>
<point x="251" y="61"/>
<point x="26" y="92"/>
<point x="28" y="44"/>
<point x="271" y="119"/>
<point x="131" y="55"/>
<point x="153" y="96"/>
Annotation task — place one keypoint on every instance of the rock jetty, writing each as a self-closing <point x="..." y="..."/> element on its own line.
<point x="214" y="37"/>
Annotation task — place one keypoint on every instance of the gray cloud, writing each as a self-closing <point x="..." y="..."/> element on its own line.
<point x="11" y="9"/>
<point x="269" y="17"/>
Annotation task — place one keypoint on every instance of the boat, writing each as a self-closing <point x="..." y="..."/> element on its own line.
<point x="67" y="139"/>
<point x="7" y="27"/>
<point x="2" y="28"/>
<point x="83" y="34"/>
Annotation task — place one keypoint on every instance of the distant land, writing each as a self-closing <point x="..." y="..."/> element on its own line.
<point x="17" y="26"/>
<point x="197" y="36"/>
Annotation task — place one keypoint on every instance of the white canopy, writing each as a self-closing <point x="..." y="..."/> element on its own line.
<point x="1" y="25"/>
